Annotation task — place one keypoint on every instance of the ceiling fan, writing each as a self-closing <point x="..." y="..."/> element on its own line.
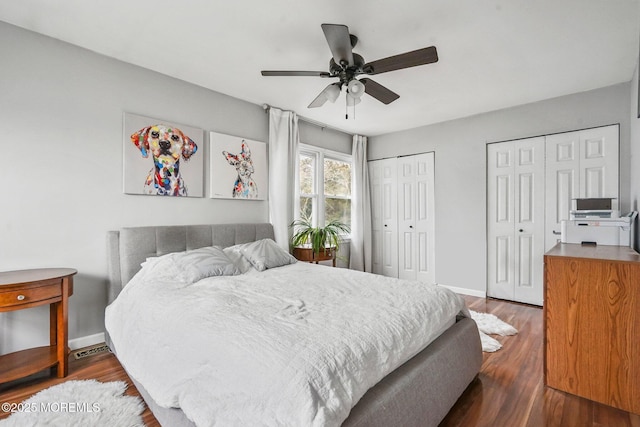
<point x="347" y="65"/>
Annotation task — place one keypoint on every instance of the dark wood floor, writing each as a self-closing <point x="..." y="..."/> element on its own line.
<point x="508" y="392"/>
<point x="102" y="367"/>
<point x="510" y="389"/>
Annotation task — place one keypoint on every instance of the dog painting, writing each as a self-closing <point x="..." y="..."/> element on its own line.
<point x="167" y="145"/>
<point x="238" y="168"/>
<point x="169" y="148"/>
<point x="244" y="187"/>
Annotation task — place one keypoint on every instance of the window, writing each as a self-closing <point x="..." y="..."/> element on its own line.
<point x="324" y="185"/>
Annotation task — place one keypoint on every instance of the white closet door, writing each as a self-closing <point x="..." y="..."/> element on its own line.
<point x="416" y="225"/>
<point x="515" y="220"/>
<point x="562" y="182"/>
<point x="407" y="256"/>
<point x="500" y="220"/>
<point x="529" y="220"/>
<point x="384" y="216"/>
<point x="579" y="164"/>
<point x="389" y="218"/>
<point x="425" y="225"/>
<point x="403" y="217"/>
<point x="375" y="183"/>
<point x="599" y="163"/>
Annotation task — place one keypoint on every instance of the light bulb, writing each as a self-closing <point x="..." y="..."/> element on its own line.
<point x="355" y="88"/>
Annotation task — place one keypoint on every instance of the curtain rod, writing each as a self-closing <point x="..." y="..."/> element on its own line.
<point x="266" y="107"/>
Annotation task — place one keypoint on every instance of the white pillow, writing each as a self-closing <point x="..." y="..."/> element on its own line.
<point x="266" y="253"/>
<point x="159" y="268"/>
<point x="190" y="266"/>
<point x="204" y="262"/>
<point x="235" y="254"/>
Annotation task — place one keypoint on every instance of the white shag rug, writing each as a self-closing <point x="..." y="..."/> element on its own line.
<point x="78" y="404"/>
<point x="490" y="324"/>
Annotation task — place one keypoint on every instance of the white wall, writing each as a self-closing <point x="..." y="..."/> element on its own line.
<point x="325" y="137"/>
<point x="460" y="167"/>
<point x="61" y="111"/>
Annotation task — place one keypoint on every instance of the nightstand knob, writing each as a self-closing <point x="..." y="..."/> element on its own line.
<point x="20" y="297"/>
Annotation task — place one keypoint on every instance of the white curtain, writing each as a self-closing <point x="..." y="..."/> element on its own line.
<point x="283" y="162"/>
<point x="360" y="257"/>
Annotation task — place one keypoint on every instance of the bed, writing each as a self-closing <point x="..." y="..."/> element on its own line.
<point x="420" y="391"/>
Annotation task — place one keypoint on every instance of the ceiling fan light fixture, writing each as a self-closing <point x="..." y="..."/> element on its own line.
<point x="332" y="92"/>
<point x="329" y="93"/>
<point x="355" y="88"/>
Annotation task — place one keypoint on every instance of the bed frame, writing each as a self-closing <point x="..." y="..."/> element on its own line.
<point x="419" y="393"/>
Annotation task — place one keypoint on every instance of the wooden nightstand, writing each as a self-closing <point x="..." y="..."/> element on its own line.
<point x="307" y="254"/>
<point x="31" y="288"/>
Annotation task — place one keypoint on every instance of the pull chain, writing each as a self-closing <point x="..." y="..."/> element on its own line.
<point x="346" y="108"/>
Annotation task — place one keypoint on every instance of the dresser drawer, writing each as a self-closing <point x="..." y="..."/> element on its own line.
<point x="31" y="295"/>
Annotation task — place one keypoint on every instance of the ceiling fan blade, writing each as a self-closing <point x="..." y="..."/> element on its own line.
<point x="296" y="73"/>
<point x="378" y="91"/>
<point x="339" y="42"/>
<point x="414" y="58"/>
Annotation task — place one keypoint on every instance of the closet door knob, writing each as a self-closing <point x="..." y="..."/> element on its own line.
<point x="521" y="230"/>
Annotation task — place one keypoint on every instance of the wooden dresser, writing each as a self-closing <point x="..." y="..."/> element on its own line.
<point x="592" y="323"/>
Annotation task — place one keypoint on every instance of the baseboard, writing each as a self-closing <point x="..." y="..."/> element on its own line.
<point x="465" y="291"/>
<point x="86" y="341"/>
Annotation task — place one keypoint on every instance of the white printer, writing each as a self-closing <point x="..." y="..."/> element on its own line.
<point x="594" y="222"/>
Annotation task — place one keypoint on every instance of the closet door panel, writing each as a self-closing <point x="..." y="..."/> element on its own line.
<point x="515" y="220"/>
<point x="382" y="174"/>
<point x="403" y="217"/>
<point x="424" y="234"/>
<point x="579" y="164"/>
<point x="500" y="220"/>
<point x="599" y="163"/>
<point x="529" y="220"/>
<point x="375" y="184"/>
<point x="390" y="218"/>
<point x="407" y="253"/>
<point x="562" y="170"/>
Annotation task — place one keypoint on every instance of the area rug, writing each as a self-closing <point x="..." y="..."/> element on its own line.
<point x="490" y="324"/>
<point x="78" y="404"/>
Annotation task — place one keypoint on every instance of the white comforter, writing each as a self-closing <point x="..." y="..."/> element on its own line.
<point x="292" y="346"/>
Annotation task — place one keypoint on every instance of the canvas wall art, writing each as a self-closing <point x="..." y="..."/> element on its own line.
<point x="238" y="168"/>
<point x="162" y="158"/>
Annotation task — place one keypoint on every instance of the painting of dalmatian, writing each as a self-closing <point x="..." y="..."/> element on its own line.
<point x="238" y="168"/>
<point x="169" y="150"/>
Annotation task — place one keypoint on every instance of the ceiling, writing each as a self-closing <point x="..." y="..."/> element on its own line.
<point x="492" y="54"/>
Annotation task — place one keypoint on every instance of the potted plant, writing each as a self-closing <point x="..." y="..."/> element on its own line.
<point x="320" y="239"/>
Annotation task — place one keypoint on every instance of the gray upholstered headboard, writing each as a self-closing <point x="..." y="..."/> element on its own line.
<point x="129" y="247"/>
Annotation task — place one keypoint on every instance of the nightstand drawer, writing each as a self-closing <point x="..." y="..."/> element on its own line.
<point x="30" y="296"/>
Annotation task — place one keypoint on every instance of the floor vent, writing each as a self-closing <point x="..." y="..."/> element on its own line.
<point x="90" y="351"/>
